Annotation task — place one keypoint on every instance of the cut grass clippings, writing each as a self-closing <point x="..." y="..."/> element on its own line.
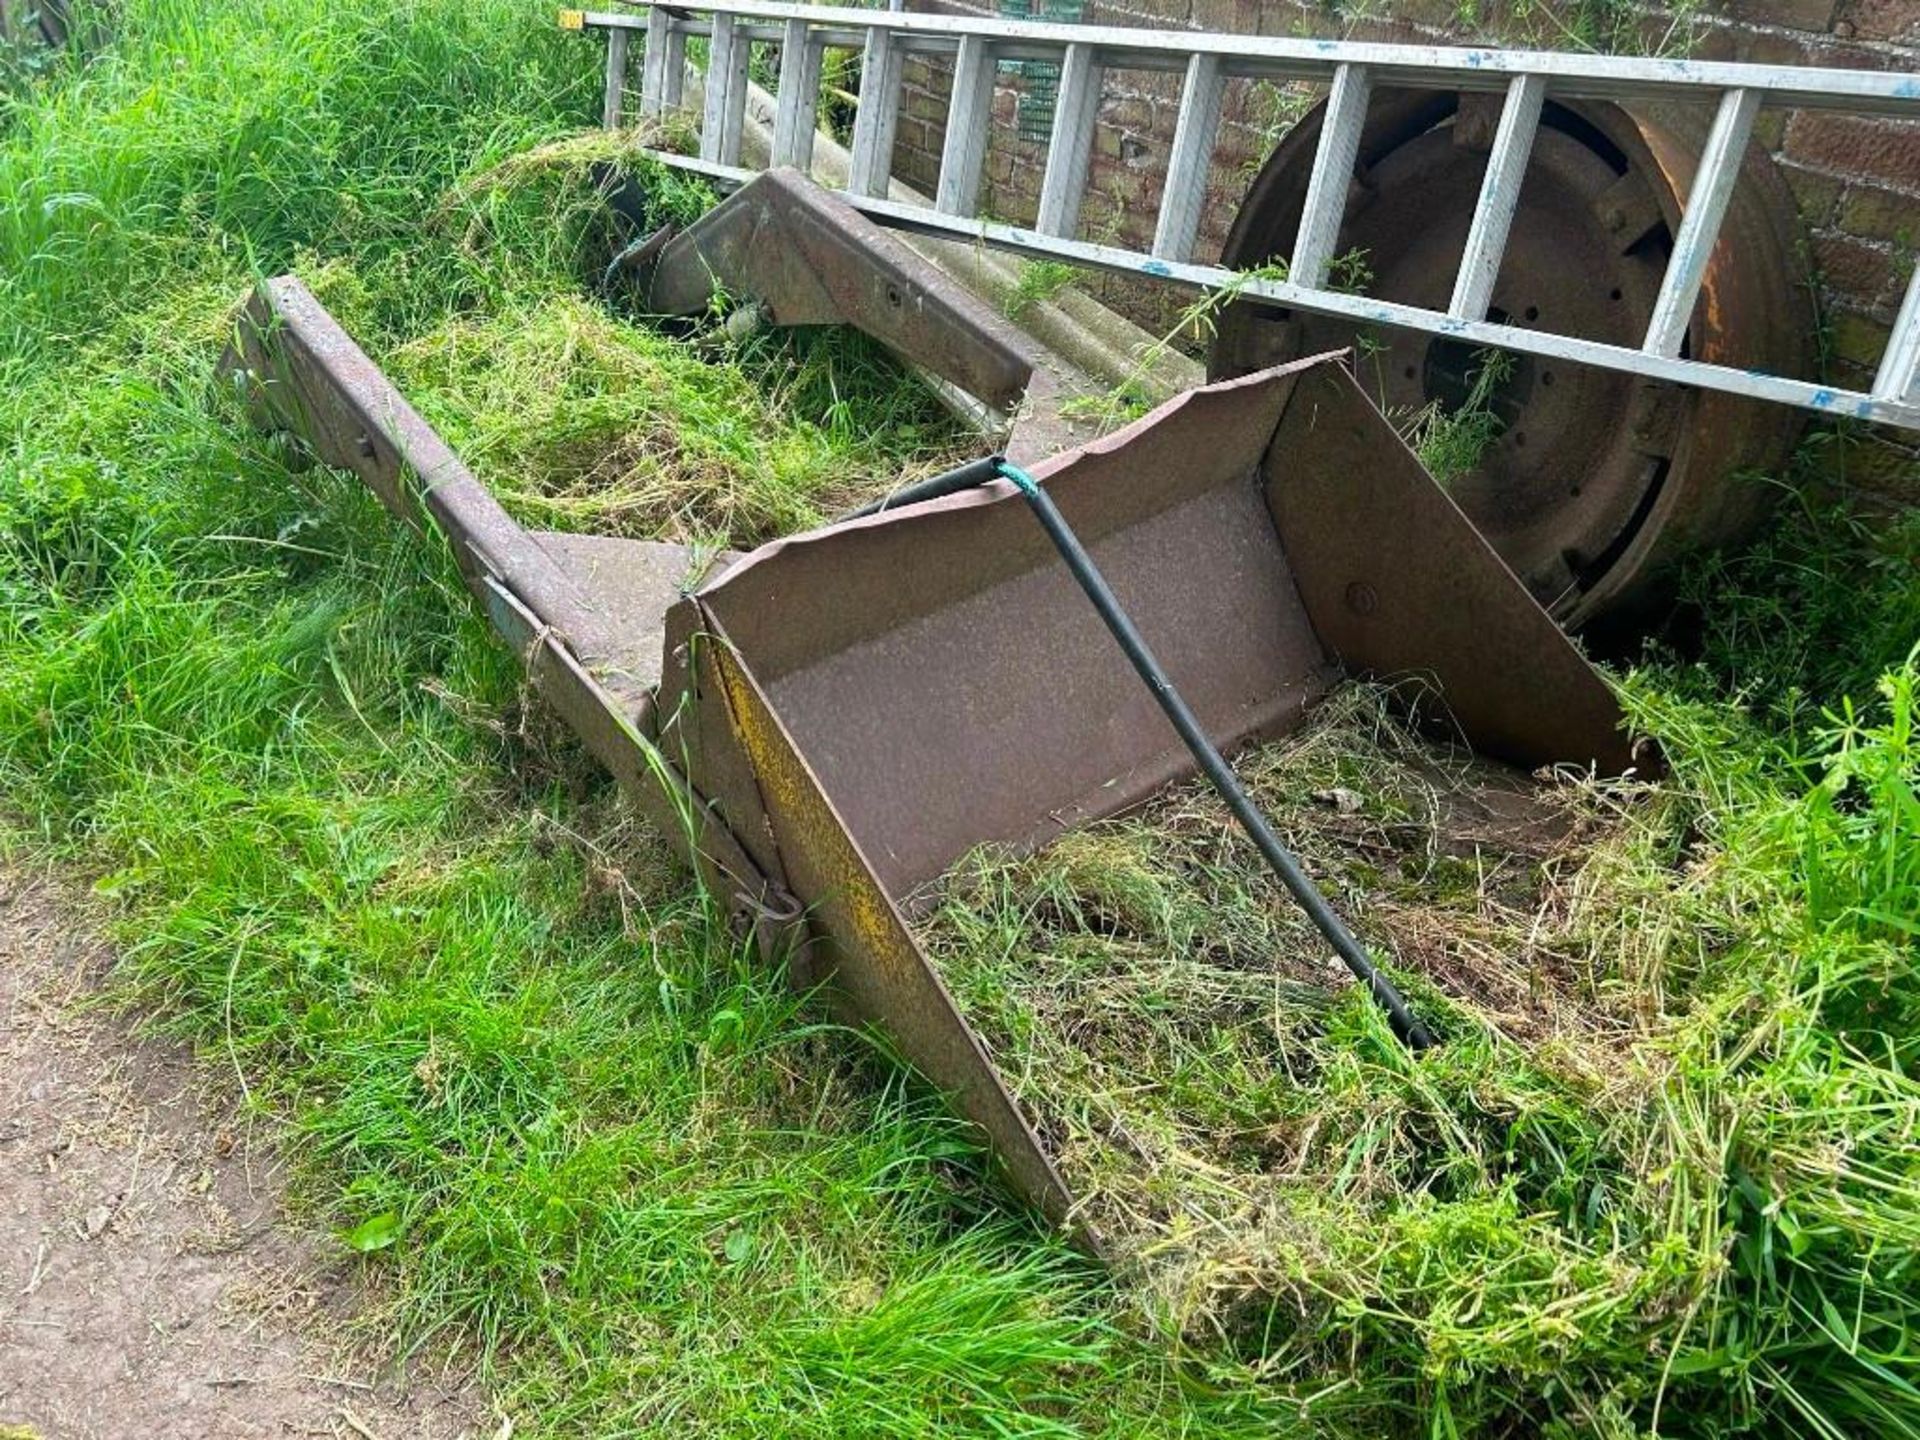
<point x="1249" y="1141"/>
<point x="579" y="420"/>
<point x="1550" y="1206"/>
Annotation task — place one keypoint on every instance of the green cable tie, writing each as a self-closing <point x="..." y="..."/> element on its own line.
<point x="1026" y="483"/>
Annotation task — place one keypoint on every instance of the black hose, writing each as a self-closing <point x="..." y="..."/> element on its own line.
<point x="948" y="482"/>
<point x="1212" y="763"/>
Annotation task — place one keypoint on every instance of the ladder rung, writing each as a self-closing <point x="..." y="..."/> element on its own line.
<point x="797" y="108"/>
<point x="1720" y="162"/>
<point x="969" y="119"/>
<point x="616" y="79"/>
<point x="1898" y="379"/>
<point x="1499" y="194"/>
<point x="725" y="111"/>
<point x="1341" y="124"/>
<point x="1075" y="108"/>
<point x="1185" y="193"/>
<point x="877" y="117"/>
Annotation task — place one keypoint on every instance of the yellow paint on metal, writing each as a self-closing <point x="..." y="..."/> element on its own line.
<point x="880" y="968"/>
<point x="791" y="795"/>
<point x="573" y="19"/>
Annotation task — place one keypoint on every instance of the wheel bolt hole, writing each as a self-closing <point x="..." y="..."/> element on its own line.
<point x="1613" y="294"/>
<point x="1533" y="313"/>
<point x="1546" y="377"/>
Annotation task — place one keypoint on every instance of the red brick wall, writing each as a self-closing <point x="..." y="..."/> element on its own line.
<point x="1857" y="180"/>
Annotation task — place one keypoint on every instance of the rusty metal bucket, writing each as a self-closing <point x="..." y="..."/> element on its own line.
<point x="828" y="723"/>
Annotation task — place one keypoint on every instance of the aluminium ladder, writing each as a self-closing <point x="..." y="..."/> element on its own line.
<point x="1351" y="70"/>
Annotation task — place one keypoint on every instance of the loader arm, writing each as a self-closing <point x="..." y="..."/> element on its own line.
<point x="809" y="258"/>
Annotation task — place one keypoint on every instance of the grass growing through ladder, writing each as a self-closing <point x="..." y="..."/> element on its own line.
<point x="620" y="1167"/>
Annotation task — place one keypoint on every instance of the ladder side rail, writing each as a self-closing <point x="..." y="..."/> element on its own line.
<point x="1712" y="189"/>
<point x="1184" y="195"/>
<point x="1076" y="107"/>
<point x="1499" y="196"/>
<point x="1341" y="122"/>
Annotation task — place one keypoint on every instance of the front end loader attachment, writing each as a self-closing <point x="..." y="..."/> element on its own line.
<point x="827" y="724"/>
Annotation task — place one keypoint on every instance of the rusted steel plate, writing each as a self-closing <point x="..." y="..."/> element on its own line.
<point x="630" y="585"/>
<point x="877" y="969"/>
<point x="944" y="642"/>
<point x="1398" y="583"/>
<point x="950" y="685"/>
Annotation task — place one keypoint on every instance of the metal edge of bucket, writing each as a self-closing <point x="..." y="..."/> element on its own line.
<point x="861" y="945"/>
<point x="1401" y="587"/>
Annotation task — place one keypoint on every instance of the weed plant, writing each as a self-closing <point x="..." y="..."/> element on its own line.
<point x="1451" y="443"/>
<point x="601" y="1154"/>
<point x="1039" y="281"/>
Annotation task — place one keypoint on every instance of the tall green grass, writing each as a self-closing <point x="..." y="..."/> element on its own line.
<point x="621" y="1169"/>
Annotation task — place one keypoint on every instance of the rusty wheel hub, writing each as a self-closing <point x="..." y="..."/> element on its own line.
<point x="1597" y="481"/>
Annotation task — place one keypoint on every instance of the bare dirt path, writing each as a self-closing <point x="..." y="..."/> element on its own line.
<point x="151" y="1284"/>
